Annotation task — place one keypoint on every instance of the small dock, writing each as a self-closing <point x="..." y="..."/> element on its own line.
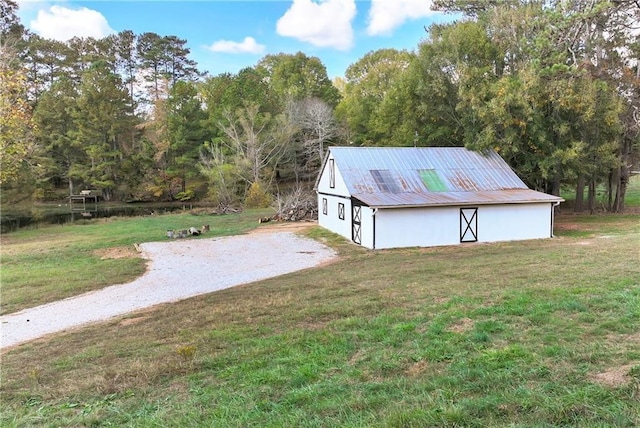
<point x="89" y="199"/>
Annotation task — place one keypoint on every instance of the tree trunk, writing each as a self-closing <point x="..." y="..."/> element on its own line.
<point x="578" y="206"/>
<point x="555" y="186"/>
<point x="623" y="180"/>
<point x="623" y="176"/>
<point x="612" y="177"/>
<point x="591" y="197"/>
<point x="296" y="169"/>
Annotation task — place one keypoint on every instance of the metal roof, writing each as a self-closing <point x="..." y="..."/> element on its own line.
<point x="424" y="176"/>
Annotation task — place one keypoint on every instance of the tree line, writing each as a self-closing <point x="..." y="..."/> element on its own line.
<point x="553" y="86"/>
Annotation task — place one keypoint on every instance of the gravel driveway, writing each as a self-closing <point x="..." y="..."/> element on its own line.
<point x="177" y="270"/>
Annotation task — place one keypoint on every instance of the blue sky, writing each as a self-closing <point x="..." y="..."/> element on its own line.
<point x="225" y="36"/>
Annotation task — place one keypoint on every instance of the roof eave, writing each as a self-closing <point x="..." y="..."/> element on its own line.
<point x="324" y="162"/>
<point x="470" y="203"/>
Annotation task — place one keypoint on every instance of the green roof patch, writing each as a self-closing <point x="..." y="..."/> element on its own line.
<point x="432" y="180"/>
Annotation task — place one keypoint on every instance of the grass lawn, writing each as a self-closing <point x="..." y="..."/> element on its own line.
<point x="633" y="192"/>
<point x="534" y="333"/>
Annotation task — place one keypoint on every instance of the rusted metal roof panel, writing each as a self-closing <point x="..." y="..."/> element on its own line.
<point x="492" y="197"/>
<point x="385" y="176"/>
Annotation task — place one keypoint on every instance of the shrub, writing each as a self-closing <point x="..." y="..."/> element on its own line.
<point x="257" y="197"/>
<point x="187" y="195"/>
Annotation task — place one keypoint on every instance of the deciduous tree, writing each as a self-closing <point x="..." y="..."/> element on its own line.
<point x="298" y="76"/>
<point x="17" y="142"/>
<point x="256" y="141"/>
<point x="369" y="81"/>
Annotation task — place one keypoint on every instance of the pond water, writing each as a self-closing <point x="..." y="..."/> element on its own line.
<point x="12" y="219"/>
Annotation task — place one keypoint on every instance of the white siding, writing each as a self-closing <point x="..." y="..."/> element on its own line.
<point x="514" y="222"/>
<point x="324" y="183"/>
<point x="425" y="227"/>
<point x="331" y="221"/>
<point x="367" y="227"/>
<point x="417" y="227"/>
<point x="336" y="195"/>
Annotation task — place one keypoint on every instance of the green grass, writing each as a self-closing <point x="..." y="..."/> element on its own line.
<point x="54" y="262"/>
<point x="632" y="198"/>
<point x="537" y="333"/>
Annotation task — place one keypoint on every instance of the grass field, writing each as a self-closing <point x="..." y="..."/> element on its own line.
<point x="535" y="333"/>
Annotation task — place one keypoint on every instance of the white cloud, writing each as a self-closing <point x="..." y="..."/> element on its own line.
<point x="248" y="45"/>
<point x="386" y="15"/>
<point x="61" y="23"/>
<point x="324" y="24"/>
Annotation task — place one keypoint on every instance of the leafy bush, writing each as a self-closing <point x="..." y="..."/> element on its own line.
<point x="187" y="195"/>
<point x="257" y="197"/>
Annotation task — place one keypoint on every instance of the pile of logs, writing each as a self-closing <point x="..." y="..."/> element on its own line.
<point x="192" y="231"/>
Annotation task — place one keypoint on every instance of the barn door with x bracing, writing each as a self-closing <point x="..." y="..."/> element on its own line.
<point x="356" y="222"/>
<point x="468" y="224"/>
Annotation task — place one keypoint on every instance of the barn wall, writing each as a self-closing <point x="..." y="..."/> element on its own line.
<point x="367" y="227"/>
<point x="335" y="196"/>
<point x="331" y="220"/>
<point x="324" y="183"/>
<point x="514" y="222"/>
<point x="436" y="226"/>
<point x="417" y="227"/>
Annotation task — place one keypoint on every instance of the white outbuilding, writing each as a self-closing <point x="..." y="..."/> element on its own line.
<point x="383" y="197"/>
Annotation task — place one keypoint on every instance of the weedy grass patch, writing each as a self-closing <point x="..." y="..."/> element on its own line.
<point x="532" y="333"/>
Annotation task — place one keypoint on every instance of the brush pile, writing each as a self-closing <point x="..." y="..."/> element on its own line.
<point x="298" y="205"/>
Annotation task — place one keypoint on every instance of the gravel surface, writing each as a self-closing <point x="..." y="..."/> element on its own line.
<point x="177" y="270"/>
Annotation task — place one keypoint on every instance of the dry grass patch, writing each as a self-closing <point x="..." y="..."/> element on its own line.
<point x="131" y="321"/>
<point x="275" y="226"/>
<point x="462" y="325"/>
<point x="417" y="368"/>
<point x="615" y="377"/>
<point x="624" y="338"/>
<point x="117" y="253"/>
